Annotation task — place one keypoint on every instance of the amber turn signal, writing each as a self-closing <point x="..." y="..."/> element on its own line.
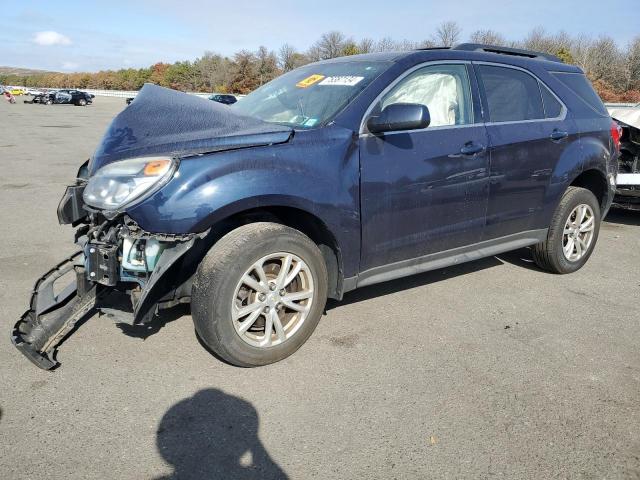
<point x="156" y="168"/>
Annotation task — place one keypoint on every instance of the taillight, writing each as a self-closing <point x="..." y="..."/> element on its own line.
<point x="616" y="133"/>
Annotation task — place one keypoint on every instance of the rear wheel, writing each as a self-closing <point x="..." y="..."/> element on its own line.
<point x="259" y="294"/>
<point x="573" y="233"/>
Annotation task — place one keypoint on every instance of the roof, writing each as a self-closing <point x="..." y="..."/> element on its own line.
<point x="467" y="51"/>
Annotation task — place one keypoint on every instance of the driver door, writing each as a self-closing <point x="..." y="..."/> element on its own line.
<point x="425" y="191"/>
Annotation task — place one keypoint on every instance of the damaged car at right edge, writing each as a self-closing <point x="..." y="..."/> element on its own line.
<point x="628" y="191"/>
<point x="335" y="176"/>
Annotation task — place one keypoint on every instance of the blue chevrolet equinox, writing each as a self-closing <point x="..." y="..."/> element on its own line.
<point x="334" y="176"/>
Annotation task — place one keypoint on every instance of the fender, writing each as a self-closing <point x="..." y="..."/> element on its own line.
<point x="209" y="188"/>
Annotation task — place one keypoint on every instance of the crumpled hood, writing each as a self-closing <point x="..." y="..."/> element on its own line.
<point x="630" y="116"/>
<point x="161" y="121"/>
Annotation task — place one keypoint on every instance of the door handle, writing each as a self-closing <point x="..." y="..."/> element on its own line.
<point x="557" y="135"/>
<point x="471" y="148"/>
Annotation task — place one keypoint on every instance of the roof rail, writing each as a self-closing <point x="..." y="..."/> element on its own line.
<point x="518" y="52"/>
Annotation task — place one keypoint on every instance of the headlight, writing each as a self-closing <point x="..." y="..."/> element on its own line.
<point x="120" y="183"/>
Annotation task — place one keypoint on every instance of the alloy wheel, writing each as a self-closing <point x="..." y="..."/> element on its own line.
<point x="578" y="234"/>
<point x="272" y="299"/>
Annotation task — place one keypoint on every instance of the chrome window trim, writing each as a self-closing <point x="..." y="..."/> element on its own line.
<point x="563" y="112"/>
<point x="363" y="131"/>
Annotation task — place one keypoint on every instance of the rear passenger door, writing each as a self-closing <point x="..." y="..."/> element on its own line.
<point x="528" y="133"/>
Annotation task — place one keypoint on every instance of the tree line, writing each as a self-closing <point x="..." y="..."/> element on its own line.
<point x="613" y="69"/>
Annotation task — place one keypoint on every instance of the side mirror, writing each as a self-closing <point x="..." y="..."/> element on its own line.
<point x="400" y="116"/>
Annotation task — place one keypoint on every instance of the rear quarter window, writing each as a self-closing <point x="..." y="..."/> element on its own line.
<point x="578" y="84"/>
<point x="552" y="107"/>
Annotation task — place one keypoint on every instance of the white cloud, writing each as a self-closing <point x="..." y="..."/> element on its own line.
<point x="49" y="38"/>
<point x="70" y="66"/>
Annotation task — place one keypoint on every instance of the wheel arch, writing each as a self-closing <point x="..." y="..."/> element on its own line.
<point x="300" y="219"/>
<point x="595" y="181"/>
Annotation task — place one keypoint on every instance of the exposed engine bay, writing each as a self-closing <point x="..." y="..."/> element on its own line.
<point x="115" y="253"/>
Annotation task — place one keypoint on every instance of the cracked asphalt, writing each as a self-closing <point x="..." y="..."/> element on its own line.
<point x="488" y="369"/>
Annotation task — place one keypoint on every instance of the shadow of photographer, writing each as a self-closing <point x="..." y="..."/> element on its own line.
<point x="213" y="435"/>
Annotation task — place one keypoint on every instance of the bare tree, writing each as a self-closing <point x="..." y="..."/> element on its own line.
<point x="607" y="61"/>
<point x="538" y="40"/>
<point x="330" y="45"/>
<point x="426" y="44"/>
<point x="407" y="45"/>
<point x="582" y="51"/>
<point x="244" y="77"/>
<point x="267" y="65"/>
<point x="488" y="37"/>
<point x="632" y="65"/>
<point x="366" y="45"/>
<point x="212" y="69"/>
<point x="287" y="57"/>
<point x="386" y="44"/>
<point x="447" y="34"/>
<point x="314" y="54"/>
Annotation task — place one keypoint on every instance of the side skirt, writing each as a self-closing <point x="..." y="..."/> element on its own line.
<point x="434" y="261"/>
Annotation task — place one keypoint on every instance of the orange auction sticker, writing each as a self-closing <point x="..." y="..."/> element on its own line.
<point x="307" y="82"/>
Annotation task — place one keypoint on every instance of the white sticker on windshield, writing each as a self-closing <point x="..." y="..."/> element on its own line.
<point x="345" y="80"/>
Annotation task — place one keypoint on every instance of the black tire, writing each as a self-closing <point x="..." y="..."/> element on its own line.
<point x="82" y="102"/>
<point x="218" y="275"/>
<point x="48" y="102"/>
<point x="549" y="255"/>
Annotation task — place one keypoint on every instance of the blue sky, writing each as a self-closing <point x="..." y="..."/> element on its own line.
<point x="77" y="35"/>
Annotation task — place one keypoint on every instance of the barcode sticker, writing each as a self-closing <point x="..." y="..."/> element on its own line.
<point x="346" y="81"/>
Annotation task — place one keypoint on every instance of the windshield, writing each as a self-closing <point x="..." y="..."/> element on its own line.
<point x="312" y="95"/>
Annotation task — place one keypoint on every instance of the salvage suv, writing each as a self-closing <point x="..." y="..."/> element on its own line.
<point x="334" y="176"/>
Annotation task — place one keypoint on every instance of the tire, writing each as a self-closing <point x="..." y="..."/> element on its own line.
<point x="218" y="292"/>
<point x="48" y="102"/>
<point x="82" y="102"/>
<point x="550" y="255"/>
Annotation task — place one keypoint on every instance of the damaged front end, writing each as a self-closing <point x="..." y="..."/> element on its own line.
<point x="139" y="155"/>
<point x="116" y="255"/>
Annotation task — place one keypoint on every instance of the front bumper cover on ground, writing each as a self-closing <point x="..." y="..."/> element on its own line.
<point x="94" y="273"/>
<point x="52" y="316"/>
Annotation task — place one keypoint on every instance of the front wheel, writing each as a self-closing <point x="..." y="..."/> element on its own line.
<point x="82" y="102"/>
<point x="573" y="233"/>
<point x="259" y="294"/>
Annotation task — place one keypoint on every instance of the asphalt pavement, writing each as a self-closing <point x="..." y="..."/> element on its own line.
<point x="489" y="369"/>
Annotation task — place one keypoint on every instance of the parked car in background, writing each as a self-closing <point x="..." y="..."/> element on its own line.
<point x="334" y="176"/>
<point x="65" y="96"/>
<point x="224" y="98"/>
<point x="34" y="91"/>
<point x="17" y="91"/>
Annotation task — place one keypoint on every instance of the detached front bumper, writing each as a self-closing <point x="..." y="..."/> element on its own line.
<point x="52" y="316"/>
<point x="116" y="255"/>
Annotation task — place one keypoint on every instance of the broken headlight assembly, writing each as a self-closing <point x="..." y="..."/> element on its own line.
<point x="119" y="184"/>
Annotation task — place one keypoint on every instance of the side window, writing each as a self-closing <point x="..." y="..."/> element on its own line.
<point x="444" y="89"/>
<point x="583" y="89"/>
<point x="552" y="107"/>
<point x="512" y="95"/>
